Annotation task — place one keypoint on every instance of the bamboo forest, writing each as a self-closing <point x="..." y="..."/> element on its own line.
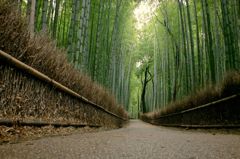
<point x="120" y="79"/>
<point x="148" y="53"/>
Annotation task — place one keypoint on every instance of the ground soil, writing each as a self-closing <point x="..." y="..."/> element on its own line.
<point x="137" y="140"/>
<point x="18" y="134"/>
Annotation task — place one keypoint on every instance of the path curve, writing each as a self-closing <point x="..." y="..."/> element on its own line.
<point x="138" y="140"/>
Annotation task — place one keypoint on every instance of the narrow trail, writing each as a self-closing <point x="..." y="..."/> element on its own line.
<point x="137" y="140"/>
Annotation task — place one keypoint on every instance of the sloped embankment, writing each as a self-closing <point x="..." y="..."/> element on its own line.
<point x="215" y="106"/>
<point x="23" y="96"/>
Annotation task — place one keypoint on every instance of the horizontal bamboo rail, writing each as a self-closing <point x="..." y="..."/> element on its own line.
<point x="22" y="66"/>
<point x="8" y="122"/>
<point x="201" y="106"/>
<point x="201" y="126"/>
<point x="184" y="125"/>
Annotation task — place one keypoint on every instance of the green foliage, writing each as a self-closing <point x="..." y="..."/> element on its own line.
<point x="187" y="44"/>
<point x="99" y="36"/>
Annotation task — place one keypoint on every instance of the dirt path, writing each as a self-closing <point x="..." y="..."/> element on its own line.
<point x="138" y="140"/>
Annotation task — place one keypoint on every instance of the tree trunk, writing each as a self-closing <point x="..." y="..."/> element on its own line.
<point x="184" y="47"/>
<point x="55" y="22"/>
<point x="44" y="15"/>
<point x="85" y="59"/>
<point x="20" y="7"/>
<point x="210" y="46"/>
<point x="71" y="37"/>
<point x="144" y="86"/>
<point x="199" y="69"/>
<point x="32" y="18"/>
<point x="193" y="76"/>
<point x="28" y="9"/>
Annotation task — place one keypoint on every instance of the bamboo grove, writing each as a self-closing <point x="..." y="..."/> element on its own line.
<point x="187" y="45"/>
<point x="93" y="33"/>
<point x="183" y="46"/>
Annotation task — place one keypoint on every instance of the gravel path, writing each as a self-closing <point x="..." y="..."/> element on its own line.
<point x="138" y="140"/>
